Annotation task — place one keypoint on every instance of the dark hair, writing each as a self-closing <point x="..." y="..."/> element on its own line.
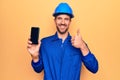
<point x="55" y="15"/>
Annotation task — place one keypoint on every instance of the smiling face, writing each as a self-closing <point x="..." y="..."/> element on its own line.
<point x="62" y="22"/>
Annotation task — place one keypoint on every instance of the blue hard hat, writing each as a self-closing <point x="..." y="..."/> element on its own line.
<point x="63" y="8"/>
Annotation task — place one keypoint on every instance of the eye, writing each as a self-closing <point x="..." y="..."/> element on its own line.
<point x="59" y="18"/>
<point x="67" y="19"/>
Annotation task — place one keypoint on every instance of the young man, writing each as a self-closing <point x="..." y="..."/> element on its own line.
<point x="61" y="55"/>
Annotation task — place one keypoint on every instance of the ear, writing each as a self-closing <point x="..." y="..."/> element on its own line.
<point x="54" y="19"/>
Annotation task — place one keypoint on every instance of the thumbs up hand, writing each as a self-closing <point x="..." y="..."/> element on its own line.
<point x="78" y="42"/>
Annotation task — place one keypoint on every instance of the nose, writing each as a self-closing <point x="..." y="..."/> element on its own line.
<point x="63" y="21"/>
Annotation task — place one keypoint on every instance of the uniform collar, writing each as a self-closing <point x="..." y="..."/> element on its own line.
<point x="57" y="38"/>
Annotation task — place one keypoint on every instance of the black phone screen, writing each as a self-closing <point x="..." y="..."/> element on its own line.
<point x="34" y="35"/>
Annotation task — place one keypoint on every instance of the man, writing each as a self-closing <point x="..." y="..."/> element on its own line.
<point x="61" y="55"/>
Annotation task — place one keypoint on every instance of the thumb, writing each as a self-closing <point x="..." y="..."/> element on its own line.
<point x="78" y="32"/>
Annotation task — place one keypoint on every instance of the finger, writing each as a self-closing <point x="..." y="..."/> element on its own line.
<point x="29" y="46"/>
<point x="72" y="42"/>
<point x="73" y="38"/>
<point x="29" y="41"/>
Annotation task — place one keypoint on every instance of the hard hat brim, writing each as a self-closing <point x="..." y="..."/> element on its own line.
<point x="56" y="14"/>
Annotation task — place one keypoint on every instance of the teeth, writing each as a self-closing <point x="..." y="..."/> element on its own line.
<point x="62" y="26"/>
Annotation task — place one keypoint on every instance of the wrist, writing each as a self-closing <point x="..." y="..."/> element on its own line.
<point x="84" y="49"/>
<point x="35" y="58"/>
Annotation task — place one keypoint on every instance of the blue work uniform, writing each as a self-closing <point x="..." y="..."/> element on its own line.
<point x="61" y="61"/>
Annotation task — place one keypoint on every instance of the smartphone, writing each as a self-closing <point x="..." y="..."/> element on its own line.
<point x="34" y="35"/>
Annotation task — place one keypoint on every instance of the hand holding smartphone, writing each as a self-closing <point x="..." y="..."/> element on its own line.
<point x="34" y="35"/>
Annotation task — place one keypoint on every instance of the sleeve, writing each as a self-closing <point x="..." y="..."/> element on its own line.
<point x="37" y="66"/>
<point x="90" y="62"/>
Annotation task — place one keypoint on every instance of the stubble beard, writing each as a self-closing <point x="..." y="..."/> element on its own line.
<point x="61" y="31"/>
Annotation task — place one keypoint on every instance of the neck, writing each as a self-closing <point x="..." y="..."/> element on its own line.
<point x="62" y="36"/>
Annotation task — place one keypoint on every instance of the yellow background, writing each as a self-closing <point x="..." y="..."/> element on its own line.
<point x="98" y="21"/>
